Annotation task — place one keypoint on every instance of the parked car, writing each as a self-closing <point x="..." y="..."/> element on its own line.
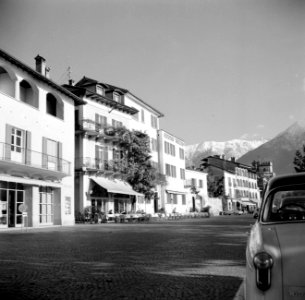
<point x="238" y="212"/>
<point x="276" y="246"/>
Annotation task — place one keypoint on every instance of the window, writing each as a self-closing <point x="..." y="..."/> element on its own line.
<point x="142" y="116"/>
<point x="116" y="97"/>
<point x="181" y="153"/>
<point x="200" y="183"/>
<point x="27" y="94"/>
<point x="117" y="124"/>
<point x="7" y="84"/>
<point x="55" y="107"/>
<point x="169" y="198"/>
<point x="154" y="144"/>
<point x="194" y="182"/>
<point x="154" y="122"/>
<point x="100" y="122"/>
<point x="99" y="90"/>
<point x="183" y="200"/>
<point x="17" y="140"/>
<point x="169" y="148"/>
<point x="170" y="170"/>
<point x="175" y="199"/>
<point x="182" y="173"/>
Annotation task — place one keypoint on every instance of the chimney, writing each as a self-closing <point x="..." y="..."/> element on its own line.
<point x="40" y="65"/>
<point x="71" y="82"/>
<point x="233" y="159"/>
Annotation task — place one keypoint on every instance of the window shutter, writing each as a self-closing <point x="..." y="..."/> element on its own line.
<point x="60" y="157"/>
<point x="97" y="158"/>
<point x="44" y="152"/>
<point x="97" y="122"/>
<point x="8" y="141"/>
<point x="28" y="151"/>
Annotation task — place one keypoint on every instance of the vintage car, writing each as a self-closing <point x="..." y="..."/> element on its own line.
<point x="275" y="254"/>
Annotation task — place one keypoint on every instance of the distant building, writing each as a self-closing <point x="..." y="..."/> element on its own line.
<point x="172" y="165"/>
<point x="36" y="146"/>
<point x="237" y="182"/>
<point x="197" y="191"/>
<point x="264" y="171"/>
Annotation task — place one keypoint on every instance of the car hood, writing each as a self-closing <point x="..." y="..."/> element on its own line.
<point x="291" y="240"/>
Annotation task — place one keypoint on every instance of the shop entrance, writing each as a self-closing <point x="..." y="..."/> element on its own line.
<point x="11" y="197"/>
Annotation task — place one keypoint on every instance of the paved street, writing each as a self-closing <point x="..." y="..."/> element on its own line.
<point x="184" y="259"/>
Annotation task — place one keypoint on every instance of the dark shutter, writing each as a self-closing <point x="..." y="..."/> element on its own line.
<point x="8" y="142"/>
<point x="97" y="157"/>
<point x="97" y="122"/>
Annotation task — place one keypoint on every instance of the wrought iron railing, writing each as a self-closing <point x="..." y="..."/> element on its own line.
<point x="23" y="156"/>
<point x="90" y="125"/>
<point x="90" y="163"/>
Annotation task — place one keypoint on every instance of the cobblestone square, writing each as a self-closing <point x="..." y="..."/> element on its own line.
<point x="201" y="258"/>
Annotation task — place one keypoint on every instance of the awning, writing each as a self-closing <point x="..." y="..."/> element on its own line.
<point x="115" y="186"/>
<point x="175" y="192"/>
<point x="29" y="181"/>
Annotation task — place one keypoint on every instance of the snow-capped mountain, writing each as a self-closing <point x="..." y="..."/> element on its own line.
<point x="280" y="150"/>
<point x="233" y="148"/>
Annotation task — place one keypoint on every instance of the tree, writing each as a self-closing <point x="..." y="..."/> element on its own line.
<point x="215" y="186"/>
<point x="299" y="161"/>
<point x="135" y="165"/>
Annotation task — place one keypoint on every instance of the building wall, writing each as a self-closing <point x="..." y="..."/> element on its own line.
<point x="198" y="180"/>
<point x="175" y="184"/>
<point x="41" y="125"/>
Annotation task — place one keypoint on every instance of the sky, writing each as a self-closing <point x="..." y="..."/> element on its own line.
<point x="217" y="69"/>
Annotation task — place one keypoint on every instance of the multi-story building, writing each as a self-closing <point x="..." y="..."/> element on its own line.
<point x="197" y="192"/>
<point x="264" y="173"/>
<point x="238" y="181"/>
<point x="172" y="165"/>
<point x="36" y="146"/>
<point x="96" y="177"/>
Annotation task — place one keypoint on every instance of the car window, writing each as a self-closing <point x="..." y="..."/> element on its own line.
<point x="285" y="206"/>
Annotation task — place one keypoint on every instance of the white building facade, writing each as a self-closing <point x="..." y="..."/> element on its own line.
<point x="172" y="165"/>
<point x="96" y="178"/>
<point x="197" y="191"/>
<point x="36" y="146"/>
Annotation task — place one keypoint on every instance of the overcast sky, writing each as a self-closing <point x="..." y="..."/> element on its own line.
<point x="217" y="69"/>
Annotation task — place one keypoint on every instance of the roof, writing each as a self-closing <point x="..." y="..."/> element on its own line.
<point x="86" y="81"/>
<point x="40" y="77"/>
<point x="226" y="164"/>
<point x="83" y="92"/>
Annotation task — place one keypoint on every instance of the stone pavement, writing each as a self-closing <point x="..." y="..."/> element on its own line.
<point x="182" y="259"/>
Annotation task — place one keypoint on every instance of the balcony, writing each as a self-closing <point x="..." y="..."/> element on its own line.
<point x="96" y="130"/>
<point x="89" y="164"/>
<point x="19" y="161"/>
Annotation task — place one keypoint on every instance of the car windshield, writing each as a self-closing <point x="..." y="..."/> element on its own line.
<point x="285" y="206"/>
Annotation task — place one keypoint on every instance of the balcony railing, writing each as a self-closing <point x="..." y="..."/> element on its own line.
<point x="31" y="158"/>
<point x="93" y="164"/>
<point x="96" y="130"/>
